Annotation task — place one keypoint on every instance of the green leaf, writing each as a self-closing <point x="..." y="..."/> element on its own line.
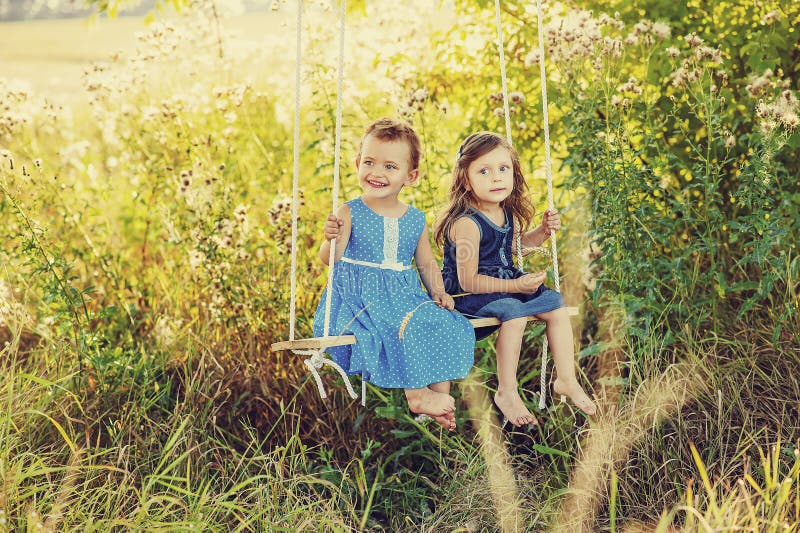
<point x="389" y="411"/>
<point x="541" y="448"/>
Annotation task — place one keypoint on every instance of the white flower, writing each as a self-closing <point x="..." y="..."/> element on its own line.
<point x="693" y="40"/>
<point x="196" y="259"/>
<point x="661" y="30"/>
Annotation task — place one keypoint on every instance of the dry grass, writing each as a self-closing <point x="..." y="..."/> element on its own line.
<point x="499" y="474"/>
<point x="614" y="434"/>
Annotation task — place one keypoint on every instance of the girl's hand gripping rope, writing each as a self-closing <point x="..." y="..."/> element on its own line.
<point x="551" y="221"/>
<point x="332" y="227"/>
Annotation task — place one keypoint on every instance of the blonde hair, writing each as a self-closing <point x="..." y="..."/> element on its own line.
<point x="461" y="200"/>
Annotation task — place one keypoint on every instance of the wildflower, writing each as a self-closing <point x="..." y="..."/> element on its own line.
<point x="186" y="180"/>
<point x="405" y="112"/>
<point x="37" y="162"/>
<point x="758" y="85"/>
<point x="498" y="112"/>
<point x="240" y="213"/>
<point x="630" y="86"/>
<point x="693" y="40"/>
<point x="532" y="59"/>
<point x="641" y="27"/>
<point x="707" y="53"/>
<point x="660" y="30"/>
<point x="420" y="95"/>
<point x="679" y="77"/>
<point x="790" y="120"/>
<point x="730" y="141"/>
<point x="770" y="17"/>
<point x="516" y="97"/>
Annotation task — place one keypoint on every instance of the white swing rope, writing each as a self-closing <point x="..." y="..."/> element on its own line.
<point x="296" y="171"/>
<point x="547" y="164"/>
<point x="317" y="358"/>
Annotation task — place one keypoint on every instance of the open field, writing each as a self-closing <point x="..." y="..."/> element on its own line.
<point x="49" y="56"/>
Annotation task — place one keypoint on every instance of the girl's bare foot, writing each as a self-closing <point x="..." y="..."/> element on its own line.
<point x="427" y="402"/>
<point x="575" y="392"/>
<point x="513" y="408"/>
<point x="447" y="421"/>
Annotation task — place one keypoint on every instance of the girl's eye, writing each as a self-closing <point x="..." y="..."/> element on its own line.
<point x="504" y="168"/>
<point x="483" y="171"/>
<point x="391" y="167"/>
<point x="368" y="162"/>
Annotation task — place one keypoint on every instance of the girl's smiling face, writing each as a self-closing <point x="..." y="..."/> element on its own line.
<point x="491" y="177"/>
<point x="383" y="167"/>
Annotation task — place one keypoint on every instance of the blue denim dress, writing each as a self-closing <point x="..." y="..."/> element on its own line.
<point x="495" y="259"/>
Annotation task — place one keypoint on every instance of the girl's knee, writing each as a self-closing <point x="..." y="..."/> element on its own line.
<point x="515" y="324"/>
<point x="554" y="315"/>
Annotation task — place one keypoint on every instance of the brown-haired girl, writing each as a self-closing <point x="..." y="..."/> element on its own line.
<point x="487" y="199"/>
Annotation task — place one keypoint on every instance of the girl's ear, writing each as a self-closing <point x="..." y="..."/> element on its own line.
<point x="413" y="178"/>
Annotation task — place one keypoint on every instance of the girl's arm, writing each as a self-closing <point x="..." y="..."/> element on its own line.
<point x="467" y="237"/>
<point x="535" y="237"/>
<point x="429" y="271"/>
<point x="337" y="227"/>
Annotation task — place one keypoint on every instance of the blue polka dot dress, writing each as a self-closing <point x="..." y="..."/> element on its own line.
<point x="496" y="260"/>
<point x="374" y="289"/>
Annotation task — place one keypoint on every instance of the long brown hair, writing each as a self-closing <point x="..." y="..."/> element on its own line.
<point x="460" y="200"/>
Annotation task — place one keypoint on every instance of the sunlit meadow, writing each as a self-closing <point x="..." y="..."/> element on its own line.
<point x="145" y="195"/>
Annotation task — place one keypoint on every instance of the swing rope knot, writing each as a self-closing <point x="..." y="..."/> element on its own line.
<point x="316" y="362"/>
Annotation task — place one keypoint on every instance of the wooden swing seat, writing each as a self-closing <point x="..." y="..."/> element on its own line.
<point x="317" y="343"/>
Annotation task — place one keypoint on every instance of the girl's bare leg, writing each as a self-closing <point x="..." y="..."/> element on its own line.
<point x="507" y="398"/>
<point x="559" y="336"/>
<point x="448" y="420"/>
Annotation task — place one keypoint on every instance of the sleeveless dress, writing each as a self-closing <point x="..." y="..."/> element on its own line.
<point x="495" y="259"/>
<point x="374" y="289"/>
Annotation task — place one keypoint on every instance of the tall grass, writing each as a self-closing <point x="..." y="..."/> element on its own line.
<point x="143" y="279"/>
